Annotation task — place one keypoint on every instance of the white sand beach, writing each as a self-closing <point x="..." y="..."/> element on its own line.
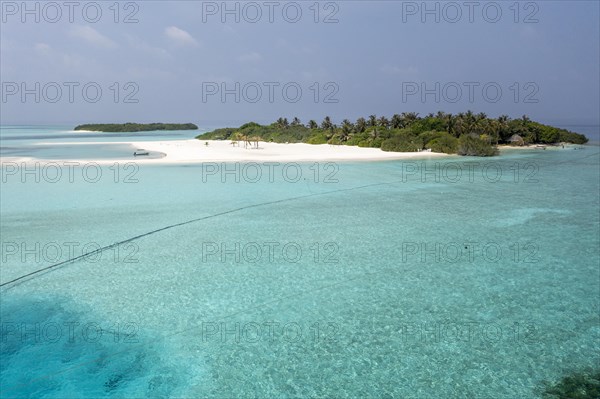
<point x="197" y="151"/>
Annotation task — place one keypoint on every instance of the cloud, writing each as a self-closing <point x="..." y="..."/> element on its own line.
<point x="180" y="36"/>
<point x="253" y="58"/>
<point x="228" y="29"/>
<point x="72" y="61"/>
<point x="396" y="70"/>
<point x="140" y="45"/>
<point x="92" y="36"/>
<point x="42" y="48"/>
<point x="55" y="59"/>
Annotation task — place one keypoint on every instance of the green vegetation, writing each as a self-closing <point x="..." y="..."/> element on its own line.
<point x="475" y="146"/>
<point x="464" y="134"/>
<point x="576" y="386"/>
<point x="136" y="127"/>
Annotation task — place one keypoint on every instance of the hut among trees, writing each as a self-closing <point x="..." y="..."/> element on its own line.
<point x="515" y="139"/>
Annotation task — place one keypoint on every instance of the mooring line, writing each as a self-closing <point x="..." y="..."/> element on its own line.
<point x="99" y="250"/>
<point x="110" y="246"/>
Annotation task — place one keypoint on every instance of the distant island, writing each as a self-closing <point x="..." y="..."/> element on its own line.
<point x="136" y="127"/>
<point x="463" y="134"/>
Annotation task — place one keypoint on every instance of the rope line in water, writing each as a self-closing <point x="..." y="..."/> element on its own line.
<point x="245" y="311"/>
<point x="240" y="312"/>
<point x="116" y="244"/>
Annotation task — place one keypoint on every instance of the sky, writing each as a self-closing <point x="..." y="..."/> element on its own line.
<point x="223" y="64"/>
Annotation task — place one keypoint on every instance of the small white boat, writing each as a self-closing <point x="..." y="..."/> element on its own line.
<point x="140" y="152"/>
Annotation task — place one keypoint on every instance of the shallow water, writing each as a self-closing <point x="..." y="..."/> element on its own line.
<point x="400" y="279"/>
<point x="63" y="143"/>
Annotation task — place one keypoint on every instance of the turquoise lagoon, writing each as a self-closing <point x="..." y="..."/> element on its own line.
<point x="373" y="279"/>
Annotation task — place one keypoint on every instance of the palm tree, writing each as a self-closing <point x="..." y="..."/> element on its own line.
<point x="503" y="119"/>
<point x="384" y="122"/>
<point x="372" y="120"/>
<point x="296" y="122"/>
<point x="256" y="139"/>
<point x="469" y="115"/>
<point x="245" y="139"/>
<point x="361" y="125"/>
<point x="235" y="138"/>
<point x="449" y="119"/>
<point x="326" y="124"/>
<point x="396" y="121"/>
<point x="495" y="128"/>
<point x="482" y="127"/>
<point x="504" y="131"/>
<point x="346" y="130"/>
<point x="373" y="123"/>
<point x="312" y="124"/>
<point x="468" y="122"/>
<point x="409" y="118"/>
<point x="530" y="130"/>
<point x="460" y="125"/>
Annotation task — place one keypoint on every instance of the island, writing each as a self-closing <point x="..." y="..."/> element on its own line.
<point x="463" y="134"/>
<point x="135" y="127"/>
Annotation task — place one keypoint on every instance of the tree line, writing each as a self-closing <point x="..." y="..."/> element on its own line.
<point x="464" y="133"/>
<point x="135" y="127"/>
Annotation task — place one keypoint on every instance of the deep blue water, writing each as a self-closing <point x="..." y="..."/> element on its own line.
<point x="50" y="347"/>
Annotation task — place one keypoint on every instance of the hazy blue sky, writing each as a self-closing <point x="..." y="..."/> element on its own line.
<point x="374" y="60"/>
